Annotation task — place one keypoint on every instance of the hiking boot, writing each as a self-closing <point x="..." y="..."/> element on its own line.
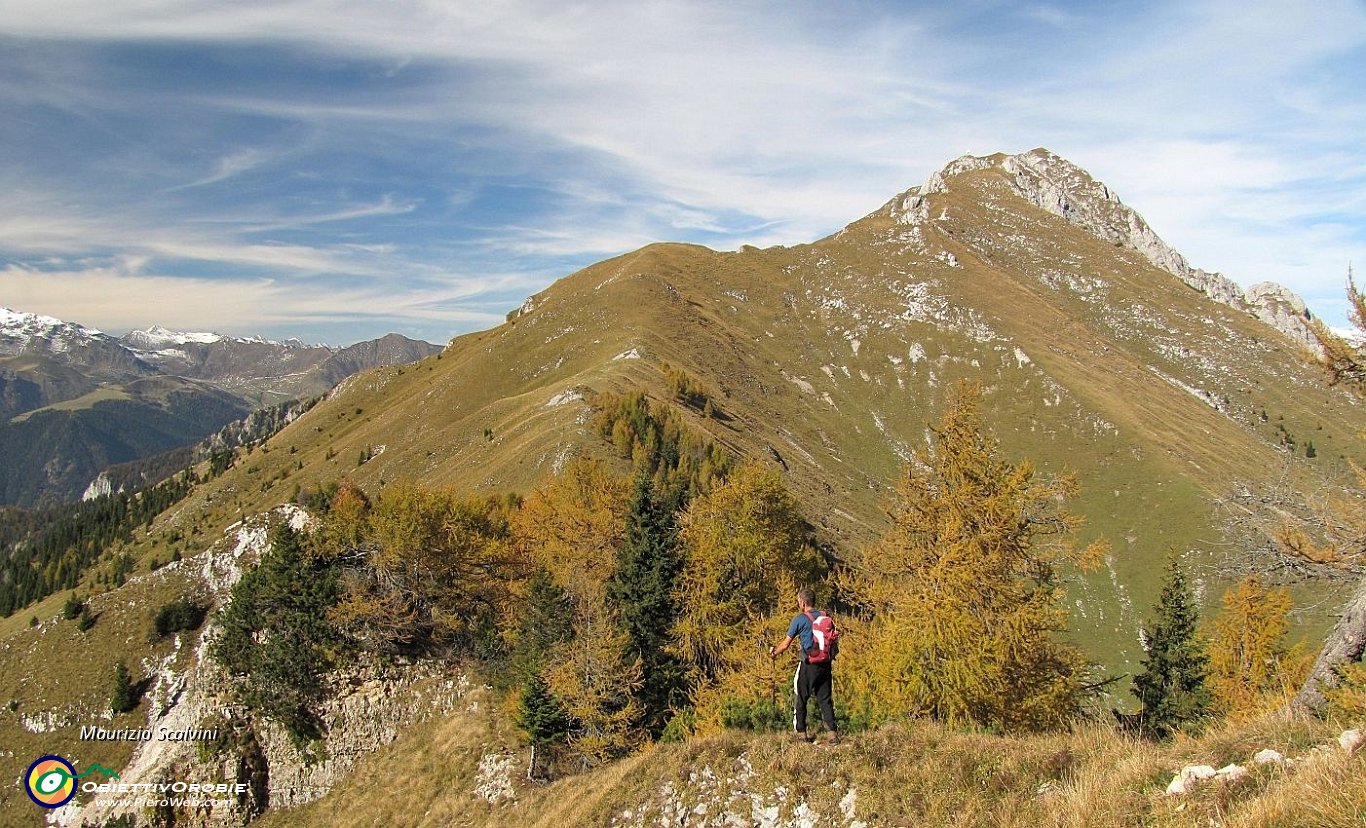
<point x="830" y="737"/>
<point x="803" y="737"/>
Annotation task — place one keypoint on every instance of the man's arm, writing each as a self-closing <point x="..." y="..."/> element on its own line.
<point x="781" y="648"/>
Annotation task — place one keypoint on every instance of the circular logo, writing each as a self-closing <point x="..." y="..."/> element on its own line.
<point x="51" y="781"/>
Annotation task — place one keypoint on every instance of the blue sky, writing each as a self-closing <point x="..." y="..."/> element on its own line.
<point x="338" y="169"/>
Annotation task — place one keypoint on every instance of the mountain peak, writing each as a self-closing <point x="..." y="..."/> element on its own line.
<point x="35" y="323"/>
<point x="21" y="331"/>
<point x="159" y="337"/>
<point x="1058" y="186"/>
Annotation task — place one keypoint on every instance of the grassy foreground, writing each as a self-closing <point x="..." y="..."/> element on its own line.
<point x="469" y="771"/>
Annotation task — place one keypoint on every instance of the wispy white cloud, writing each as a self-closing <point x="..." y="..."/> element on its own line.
<point x="226" y="168"/>
<point x="122" y="301"/>
<point x="367" y="141"/>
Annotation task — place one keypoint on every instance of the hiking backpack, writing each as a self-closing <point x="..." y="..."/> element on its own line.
<point x="824" y="638"/>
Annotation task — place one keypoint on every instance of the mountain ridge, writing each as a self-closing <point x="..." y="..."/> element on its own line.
<point x="828" y="359"/>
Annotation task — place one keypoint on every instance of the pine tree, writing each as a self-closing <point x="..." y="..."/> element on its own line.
<point x="1172" y="687"/>
<point x="72" y="607"/>
<point x="964" y="595"/>
<point x="276" y="642"/>
<point x="543" y="622"/>
<point x="641" y="588"/>
<point x="123" y="698"/>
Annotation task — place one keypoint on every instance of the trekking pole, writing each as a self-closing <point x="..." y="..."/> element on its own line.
<point x="773" y="680"/>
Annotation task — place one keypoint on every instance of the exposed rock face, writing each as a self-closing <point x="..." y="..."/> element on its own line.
<point x="1060" y="187"/>
<point x="367" y="708"/>
<point x="371" y="709"/>
<point x="99" y="487"/>
<point x="1284" y="310"/>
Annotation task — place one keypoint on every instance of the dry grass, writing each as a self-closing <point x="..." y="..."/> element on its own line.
<point x="911" y="774"/>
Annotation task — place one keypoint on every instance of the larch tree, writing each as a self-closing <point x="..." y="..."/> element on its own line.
<point x="963" y="597"/>
<point x="1342" y="358"/>
<point x="1339" y="673"/>
<point x="746" y="551"/>
<point x="428" y="567"/>
<point x="572" y="527"/>
<point x="1250" y="665"/>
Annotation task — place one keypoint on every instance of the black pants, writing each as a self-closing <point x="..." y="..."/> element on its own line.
<point x="813" y="680"/>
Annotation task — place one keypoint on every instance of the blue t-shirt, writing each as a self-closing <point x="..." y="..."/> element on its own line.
<point x="801" y="628"/>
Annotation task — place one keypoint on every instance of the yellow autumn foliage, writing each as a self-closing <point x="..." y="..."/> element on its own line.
<point x="964" y="595"/>
<point x="433" y="564"/>
<point x="1251" y="670"/>
<point x="746" y="552"/>
<point x="572" y="526"/>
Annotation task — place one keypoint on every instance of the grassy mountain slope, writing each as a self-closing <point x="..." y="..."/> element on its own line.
<point x="56" y="678"/>
<point x="830" y="359"/>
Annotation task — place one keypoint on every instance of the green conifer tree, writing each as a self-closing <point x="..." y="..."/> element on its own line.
<point x="123" y="698"/>
<point x="542" y="718"/>
<point x="72" y="607"/>
<point x="641" y="588"/>
<point x="544" y="622"/>
<point x="1172" y="685"/>
<point x="276" y="642"/>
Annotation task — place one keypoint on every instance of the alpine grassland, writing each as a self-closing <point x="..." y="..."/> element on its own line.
<point x="910" y="773"/>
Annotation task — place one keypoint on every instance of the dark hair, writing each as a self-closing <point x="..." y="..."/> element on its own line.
<point x="806" y="597"/>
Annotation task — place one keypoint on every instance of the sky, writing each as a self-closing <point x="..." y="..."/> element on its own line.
<point x="339" y="169"/>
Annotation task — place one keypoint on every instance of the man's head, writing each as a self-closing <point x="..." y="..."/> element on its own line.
<point x="806" y="599"/>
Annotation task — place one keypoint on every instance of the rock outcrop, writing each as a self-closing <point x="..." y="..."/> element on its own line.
<point x="368" y="707"/>
<point x="1060" y="187"/>
<point x="1346" y="643"/>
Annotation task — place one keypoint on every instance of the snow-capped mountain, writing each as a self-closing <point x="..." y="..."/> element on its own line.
<point x="19" y="331"/>
<point x="63" y="385"/>
<point x="157" y="338"/>
<point x="66" y="343"/>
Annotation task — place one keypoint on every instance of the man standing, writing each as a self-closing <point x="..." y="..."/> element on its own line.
<point x="815" y="632"/>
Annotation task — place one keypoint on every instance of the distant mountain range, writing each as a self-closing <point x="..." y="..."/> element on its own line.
<point x="74" y="400"/>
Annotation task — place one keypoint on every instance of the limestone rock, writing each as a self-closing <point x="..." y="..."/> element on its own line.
<point x="1268" y="756"/>
<point x="1190" y="776"/>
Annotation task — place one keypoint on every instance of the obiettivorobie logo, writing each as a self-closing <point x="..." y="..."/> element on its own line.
<point x="51" y="780"/>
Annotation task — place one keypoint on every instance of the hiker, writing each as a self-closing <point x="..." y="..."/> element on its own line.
<point x="814" y="629"/>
